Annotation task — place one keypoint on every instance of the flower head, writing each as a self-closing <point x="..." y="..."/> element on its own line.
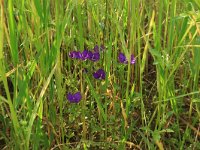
<point x="72" y="54"/>
<point x="85" y="54"/>
<point x="90" y="55"/>
<point x="96" y="48"/>
<point x="75" y="54"/>
<point x="132" y="59"/>
<point x="95" y="56"/>
<point x="99" y="74"/>
<point x="74" y="98"/>
<point x="122" y="58"/>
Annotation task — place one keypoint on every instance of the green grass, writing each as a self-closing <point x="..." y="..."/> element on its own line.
<point x="153" y="104"/>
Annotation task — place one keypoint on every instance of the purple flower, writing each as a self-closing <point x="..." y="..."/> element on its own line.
<point x="95" y="56"/>
<point x="96" y="48"/>
<point x="122" y="59"/>
<point x="132" y="59"/>
<point x="75" y="54"/>
<point x="99" y="74"/>
<point x="85" y="54"/>
<point x="90" y="55"/>
<point x="74" y="98"/>
<point x="72" y="54"/>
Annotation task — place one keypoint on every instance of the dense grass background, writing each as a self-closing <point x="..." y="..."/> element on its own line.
<point x="153" y="104"/>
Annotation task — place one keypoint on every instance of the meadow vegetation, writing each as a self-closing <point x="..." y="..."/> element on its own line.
<point x="99" y="74"/>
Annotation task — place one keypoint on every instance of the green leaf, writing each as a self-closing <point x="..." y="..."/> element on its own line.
<point x="156" y="135"/>
<point x="167" y="130"/>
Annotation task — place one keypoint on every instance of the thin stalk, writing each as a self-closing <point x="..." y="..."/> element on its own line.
<point x="14" y="118"/>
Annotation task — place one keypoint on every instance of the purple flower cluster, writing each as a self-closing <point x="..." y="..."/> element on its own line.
<point x="87" y="55"/>
<point x="122" y="58"/>
<point x="100" y="73"/>
<point x="74" y="98"/>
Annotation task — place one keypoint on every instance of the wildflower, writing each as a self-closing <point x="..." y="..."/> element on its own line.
<point x="122" y="59"/>
<point x="75" y="54"/>
<point x="74" y="98"/>
<point x="132" y="59"/>
<point x="72" y="54"/>
<point x="96" y="48"/>
<point x="95" y="56"/>
<point x="85" y="54"/>
<point x="99" y="74"/>
<point x="90" y="54"/>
